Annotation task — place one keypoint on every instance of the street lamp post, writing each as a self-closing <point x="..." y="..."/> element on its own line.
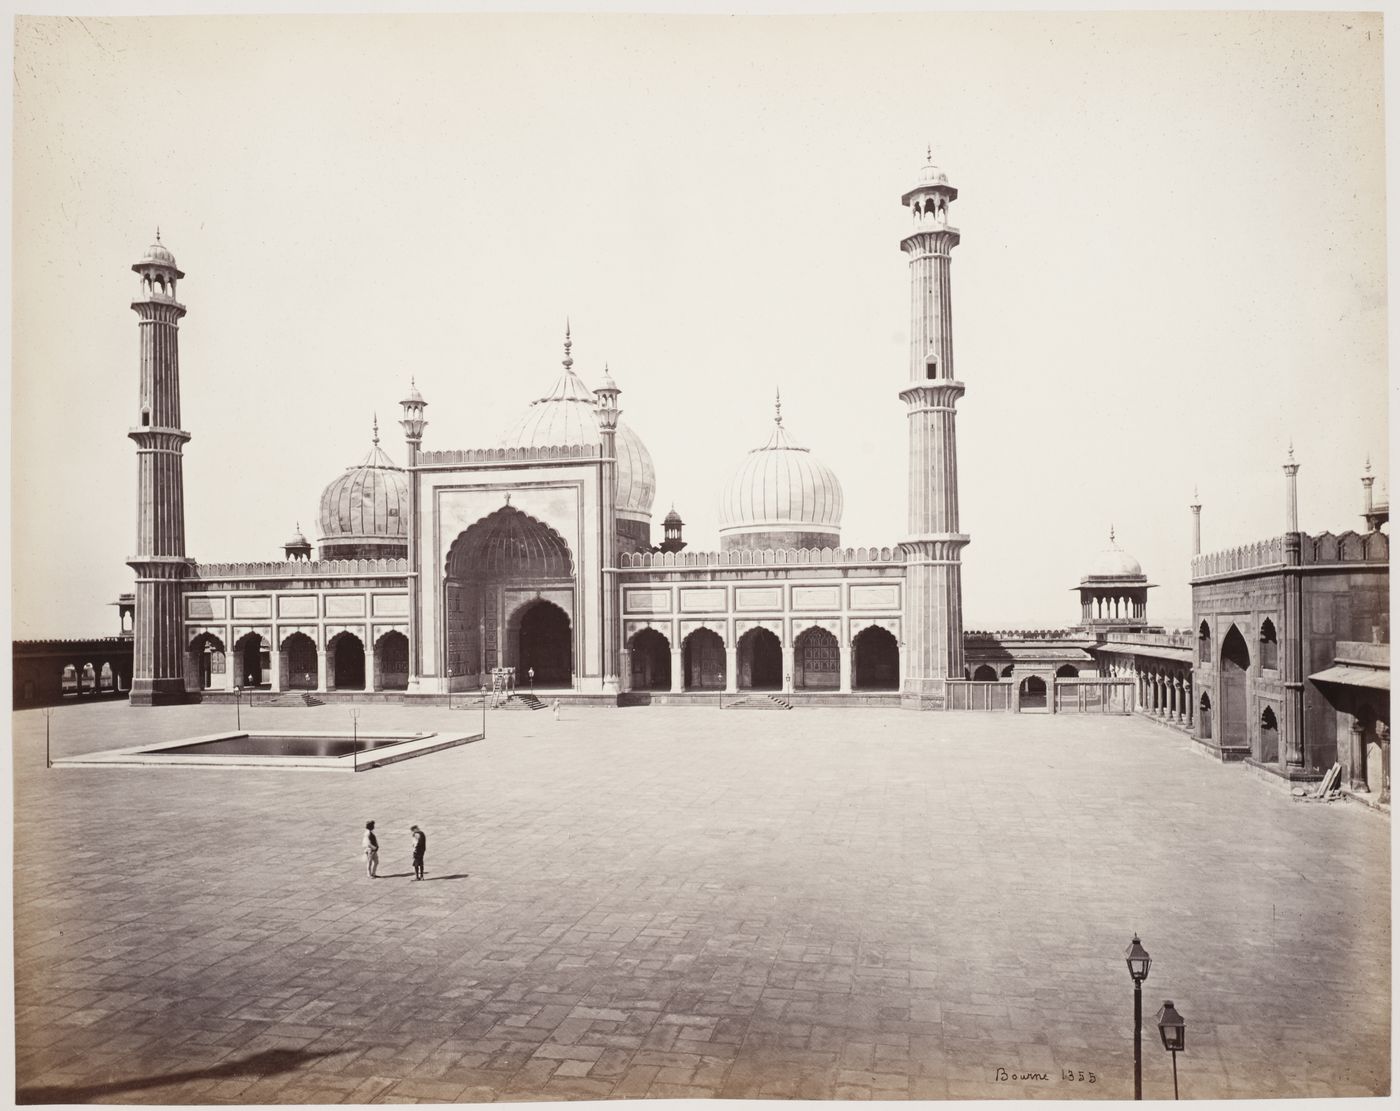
<point x="1138" y="964"/>
<point x="532" y="680"/>
<point x="238" y="707"/>
<point x="355" y="733"/>
<point x="48" y="714"/>
<point x="1172" y="1027"/>
<point x="483" y="712"/>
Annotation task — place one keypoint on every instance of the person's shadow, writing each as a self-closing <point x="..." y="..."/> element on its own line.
<point x="405" y="875"/>
<point x="269" y="1062"/>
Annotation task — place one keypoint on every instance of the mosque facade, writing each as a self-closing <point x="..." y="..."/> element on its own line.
<point x="536" y="553"/>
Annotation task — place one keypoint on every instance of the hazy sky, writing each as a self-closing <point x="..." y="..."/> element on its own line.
<point x="1173" y="260"/>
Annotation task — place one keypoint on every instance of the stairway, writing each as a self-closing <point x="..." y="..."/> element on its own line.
<point x="291" y="698"/>
<point x="758" y="702"/>
<point x="524" y="700"/>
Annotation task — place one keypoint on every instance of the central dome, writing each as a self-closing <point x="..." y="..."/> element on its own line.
<point x="568" y="415"/>
<point x="780" y="497"/>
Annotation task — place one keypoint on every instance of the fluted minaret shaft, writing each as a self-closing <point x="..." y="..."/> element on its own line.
<point x="933" y="650"/>
<point x="158" y="672"/>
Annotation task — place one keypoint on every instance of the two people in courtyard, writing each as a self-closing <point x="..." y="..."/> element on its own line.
<point x="369" y="844"/>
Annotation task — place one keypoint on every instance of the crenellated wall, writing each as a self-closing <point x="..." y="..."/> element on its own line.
<point x="298" y="568"/>
<point x="765" y="558"/>
<point x="477" y="456"/>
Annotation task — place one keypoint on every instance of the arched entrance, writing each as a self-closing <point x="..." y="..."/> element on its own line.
<point x="875" y="656"/>
<point x="489" y="567"/>
<point x="391" y="661"/>
<point x="985" y="673"/>
<point x="1234" y="690"/>
<point x="345" y="663"/>
<point x="204" y="660"/>
<point x="299" y="662"/>
<point x="253" y="662"/>
<point x="703" y="658"/>
<point x="651" y="661"/>
<point x="543" y="640"/>
<point x="1268" y="736"/>
<point x="1032" y="693"/>
<point x="1067" y="671"/>
<point x="816" y="661"/>
<point x="760" y="661"/>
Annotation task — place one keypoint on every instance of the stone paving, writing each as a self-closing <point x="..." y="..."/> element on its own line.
<point x="688" y="902"/>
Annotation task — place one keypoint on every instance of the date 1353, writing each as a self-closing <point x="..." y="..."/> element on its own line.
<point x="1076" y="1076"/>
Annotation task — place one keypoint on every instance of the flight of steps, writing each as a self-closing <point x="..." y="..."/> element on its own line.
<point x="524" y="700"/>
<point x="759" y="702"/>
<point x="292" y="698"/>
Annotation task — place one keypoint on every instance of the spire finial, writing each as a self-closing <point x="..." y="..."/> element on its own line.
<point x="568" y="346"/>
<point x="157" y="233"/>
<point x="1112" y="538"/>
<point x="376" y="429"/>
<point x="1368" y="462"/>
<point x="1290" y="449"/>
<point x="928" y="153"/>
<point x="777" y="405"/>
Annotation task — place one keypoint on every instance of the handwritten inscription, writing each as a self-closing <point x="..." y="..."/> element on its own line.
<point x="1075" y="1076"/>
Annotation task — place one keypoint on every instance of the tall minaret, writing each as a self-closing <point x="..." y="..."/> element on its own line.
<point x="933" y="649"/>
<point x="1196" y="522"/>
<point x="158" y="669"/>
<point x="608" y="415"/>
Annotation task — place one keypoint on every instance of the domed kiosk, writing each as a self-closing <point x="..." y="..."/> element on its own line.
<point x="1113" y="591"/>
<point x="364" y="512"/>
<point x="567" y="415"/>
<point x="780" y="496"/>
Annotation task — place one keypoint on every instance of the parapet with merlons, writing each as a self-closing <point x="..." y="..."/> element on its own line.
<point x="1268" y="555"/>
<point x="299" y="568"/>
<point x="770" y="557"/>
<point x="467" y="457"/>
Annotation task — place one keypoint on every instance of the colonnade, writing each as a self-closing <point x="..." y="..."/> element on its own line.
<point x="1162" y="689"/>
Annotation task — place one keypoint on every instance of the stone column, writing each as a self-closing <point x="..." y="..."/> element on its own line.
<point x="1357" y="776"/>
<point x="677" y="671"/>
<point x="372" y="669"/>
<point x="233" y="664"/>
<point x="789" y="658"/>
<point x="731" y="669"/>
<point x="322" y="667"/>
<point x="844" y="667"/>
<point x="276" y="658"/>
<point x="624" y="677"/>
<point x="1190" y="704"/>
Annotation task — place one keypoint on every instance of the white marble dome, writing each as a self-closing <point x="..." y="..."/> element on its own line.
<point x="367" y="505"/>
<point x="1113" y="563"/>
<point x="781" y="487"/>
<point x="568" y="415"/>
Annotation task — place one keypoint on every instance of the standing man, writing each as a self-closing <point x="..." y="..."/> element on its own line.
<point x="420" y="849"/>
<point x="556" y="709"/>
<point x="371" y="846"/>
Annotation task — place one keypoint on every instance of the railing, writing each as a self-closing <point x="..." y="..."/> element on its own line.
<point x="1362" y="652"/>
<point x="1346" y="547"/>
<point x="1095" y="695"/>
<point x="779" y="557"/>
<point x="469" y="456"/>
<point x="964" y="694"/>
<point x="299" y="568"/>
<point x="1025" y="634"/>
<point x="1246" y="557"/>
<point x="1157" y="640"/>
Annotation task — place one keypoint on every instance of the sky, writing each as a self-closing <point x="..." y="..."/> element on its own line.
<point x="1172" y="264"/>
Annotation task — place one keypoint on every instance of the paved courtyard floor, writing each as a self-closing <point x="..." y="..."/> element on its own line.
<point x="688" y="902"/>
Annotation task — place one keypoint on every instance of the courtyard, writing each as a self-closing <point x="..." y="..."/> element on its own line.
<point x="678" y="902"/>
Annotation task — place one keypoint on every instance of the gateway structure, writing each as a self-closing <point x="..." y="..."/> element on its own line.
<point x="536" y="553"/>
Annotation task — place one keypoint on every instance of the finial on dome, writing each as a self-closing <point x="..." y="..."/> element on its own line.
<point x="1112" y="539"/>
<point x="928" y="152"/>
<point x="568" y="346"/>
<point x="157" y="233"/>
<point x="777" y="405"/>
<point x="376" y="429"/>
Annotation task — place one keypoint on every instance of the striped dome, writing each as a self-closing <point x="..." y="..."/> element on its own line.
<point x="568" y="415"/>
<point x="1113" y="563"/>
<point x="368" y="504"/>
<point x="780" y="487"/>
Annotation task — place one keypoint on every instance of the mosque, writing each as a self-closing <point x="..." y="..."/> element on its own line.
<point x="536" y="554"/>
<point x="533" y="562"/>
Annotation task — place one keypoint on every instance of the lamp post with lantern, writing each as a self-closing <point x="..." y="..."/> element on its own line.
<point x="1172" y="1027"/>
<point x="1138" y="964"/>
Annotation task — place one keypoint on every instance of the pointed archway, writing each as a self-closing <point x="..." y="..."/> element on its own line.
<point x="501" y="556"/>
<point x="651" y="661"/>
<point x="345" y="663"/>
<point x="816" y="660"/>
<point x="1234" y="690"/>
<point x="760" y="661"/>
<point x="543" y="641"/>
<point x="704" y="660"/>
<point x="875" y="656"/>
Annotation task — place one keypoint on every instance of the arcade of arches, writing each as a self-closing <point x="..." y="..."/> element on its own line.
<point x="348" y="666"/>
<point x="502" y="557"/>
<point x="704" y="663"/>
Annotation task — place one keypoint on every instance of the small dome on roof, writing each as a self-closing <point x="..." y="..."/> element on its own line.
<point x="1113" y="563"/>
<point x="159" y="253"/>
<point x="297" y="540"/>
<point x="672" y="518"/>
